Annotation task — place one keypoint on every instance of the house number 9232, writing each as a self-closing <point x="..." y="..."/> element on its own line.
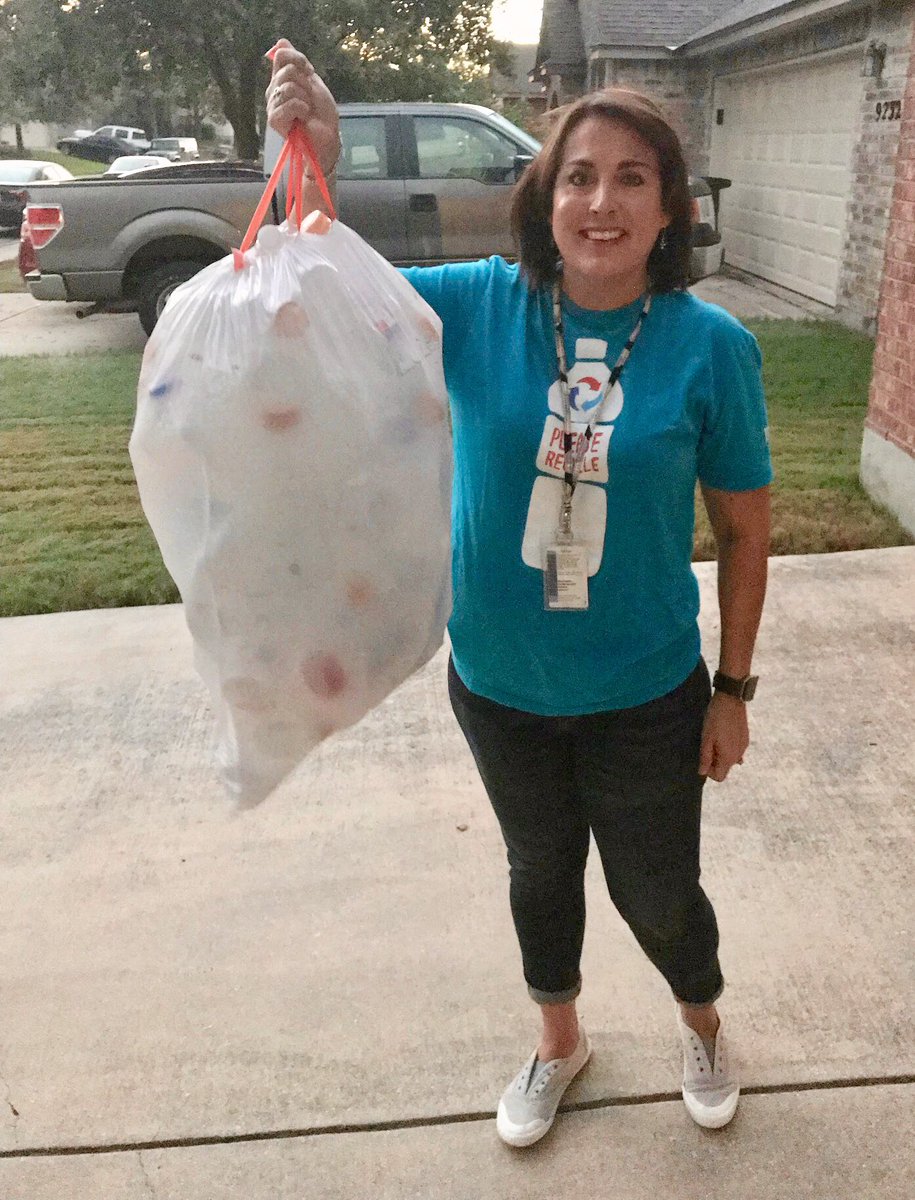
<point x="889" y="110"/>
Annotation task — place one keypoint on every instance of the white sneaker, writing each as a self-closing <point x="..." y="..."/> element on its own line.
<point x="528" y="1105"/>
<point x="710" y="1090"/>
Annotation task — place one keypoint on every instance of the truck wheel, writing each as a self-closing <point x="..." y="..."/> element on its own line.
<point x="156" y="287"/>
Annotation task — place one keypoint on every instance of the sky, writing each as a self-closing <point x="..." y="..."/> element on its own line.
<point x="517" y="20"/>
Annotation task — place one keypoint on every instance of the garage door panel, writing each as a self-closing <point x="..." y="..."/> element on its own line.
<point x="826" y="273"/>
<point x="810" y="208"/>
<point x="838" y="150"/>
<point x="785" y="257"/>
<point x="786" y="144"/>
<point x="833" y="212"/>
<point x="827" y="243"/>
<point x="799" y="148"/>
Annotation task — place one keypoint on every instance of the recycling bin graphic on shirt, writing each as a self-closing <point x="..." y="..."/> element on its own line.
<point x="588" y="380"/>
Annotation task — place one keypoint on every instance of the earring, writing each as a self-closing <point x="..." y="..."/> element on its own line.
<point x="662" y="244"/>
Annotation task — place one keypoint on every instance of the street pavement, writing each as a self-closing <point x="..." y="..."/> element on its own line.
<point x="322" y="1000"/>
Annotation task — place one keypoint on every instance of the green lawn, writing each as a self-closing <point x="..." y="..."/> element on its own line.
<point x="817" y="376"/>
<point x="76" y="166"/>
<point x="72" y="534"/>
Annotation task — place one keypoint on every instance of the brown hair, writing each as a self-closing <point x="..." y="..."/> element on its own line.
<point x="532" y="203"/>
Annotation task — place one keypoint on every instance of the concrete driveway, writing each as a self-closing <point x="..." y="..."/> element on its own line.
<point x="322" y="999"/>
<point x="30" y="326"/>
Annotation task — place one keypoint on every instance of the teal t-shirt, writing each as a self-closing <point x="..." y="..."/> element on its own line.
<point x="689" y="405"/>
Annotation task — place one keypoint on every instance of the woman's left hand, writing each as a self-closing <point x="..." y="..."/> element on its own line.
<point x="725" y="736"/>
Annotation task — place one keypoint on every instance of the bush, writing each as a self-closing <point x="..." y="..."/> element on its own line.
<point x="8" y="151"/>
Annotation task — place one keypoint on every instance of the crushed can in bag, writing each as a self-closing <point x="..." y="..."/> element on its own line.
<point x="293" y="455"/>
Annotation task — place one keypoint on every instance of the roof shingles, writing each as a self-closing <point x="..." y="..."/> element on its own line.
<point x="570" y="27"/>
<point x="560" y="34"/>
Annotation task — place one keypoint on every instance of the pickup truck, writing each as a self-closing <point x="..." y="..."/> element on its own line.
<point x="124" y="244"/>
<point x="422" y="183"/>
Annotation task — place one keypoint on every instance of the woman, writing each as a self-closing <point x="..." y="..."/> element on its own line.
<point x="590" y="391"/>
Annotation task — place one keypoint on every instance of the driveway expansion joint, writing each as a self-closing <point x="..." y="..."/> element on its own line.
<point x="277" y="1135"/>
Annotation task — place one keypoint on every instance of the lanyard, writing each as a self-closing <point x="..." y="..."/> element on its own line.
<point x="573" y="458"/>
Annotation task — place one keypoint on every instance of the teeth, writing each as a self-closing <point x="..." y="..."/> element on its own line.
<point x="600" y="235"/>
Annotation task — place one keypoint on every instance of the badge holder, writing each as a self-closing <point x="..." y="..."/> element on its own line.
<point x="565" y="567"/>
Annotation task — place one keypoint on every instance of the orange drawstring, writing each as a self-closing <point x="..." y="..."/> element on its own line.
<point x="296" y="149"/>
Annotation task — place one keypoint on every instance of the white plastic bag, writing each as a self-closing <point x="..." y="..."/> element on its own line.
<point x="293" y="456"/>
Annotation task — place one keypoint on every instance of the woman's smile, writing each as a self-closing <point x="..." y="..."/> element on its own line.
<point x="602" y="235"/>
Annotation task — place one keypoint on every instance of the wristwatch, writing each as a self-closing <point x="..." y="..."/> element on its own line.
<point x="741" y="689"/>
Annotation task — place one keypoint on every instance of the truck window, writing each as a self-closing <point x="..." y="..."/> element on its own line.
<point x="364" y="154"/>
<point x="122" y="133"/>
<point x="456" y="148"/>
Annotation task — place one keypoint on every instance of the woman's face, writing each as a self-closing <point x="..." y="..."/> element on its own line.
<point x="607" y="213"/>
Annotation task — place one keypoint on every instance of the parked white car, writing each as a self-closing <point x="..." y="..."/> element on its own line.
<point x="128" y="163"/>
<point x="175" y="149"/>
<point x="15" y="176"/>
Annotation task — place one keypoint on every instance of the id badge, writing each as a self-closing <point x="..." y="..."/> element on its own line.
<point x="565" y="577"/>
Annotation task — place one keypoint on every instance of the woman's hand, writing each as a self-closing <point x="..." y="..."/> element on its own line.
<point x="725" y="736"/>
<point x="297" y="92"/>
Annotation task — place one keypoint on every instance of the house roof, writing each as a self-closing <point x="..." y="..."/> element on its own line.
<point x="571" y="28"/>
<point x="648" y="22"/>
<point x="740" y="13"/>
<point x="561" y="42"/>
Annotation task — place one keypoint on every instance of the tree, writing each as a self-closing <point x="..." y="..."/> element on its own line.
<point x="52" y="66"/>
<point x="366" y="49"/>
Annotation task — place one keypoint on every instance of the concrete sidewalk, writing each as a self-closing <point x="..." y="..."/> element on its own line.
<point x="322" y="999"/>
<point x="29" y="326"/>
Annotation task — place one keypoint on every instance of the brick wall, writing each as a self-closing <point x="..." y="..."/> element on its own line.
<point x="684" y="91"/>
<point x="873" y="174"/>
<point x="888" y="450"/>
<point x="892" y="401"/>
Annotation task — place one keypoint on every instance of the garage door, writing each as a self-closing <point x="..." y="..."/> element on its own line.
<point x="785" y="138"/>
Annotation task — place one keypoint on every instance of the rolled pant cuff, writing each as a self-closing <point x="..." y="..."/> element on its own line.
<point x="701" y="1003"/>
<point x="565" y="997"/>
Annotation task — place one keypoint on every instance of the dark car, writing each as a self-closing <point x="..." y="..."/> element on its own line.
<point x="15" y="175"/>
<point x="97" y="149"/>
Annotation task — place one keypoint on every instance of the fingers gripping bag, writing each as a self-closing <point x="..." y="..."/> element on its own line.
<point x="293" y="456"/>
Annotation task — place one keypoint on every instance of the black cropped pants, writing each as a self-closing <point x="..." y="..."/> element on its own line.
<point x="630" y="777"/>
